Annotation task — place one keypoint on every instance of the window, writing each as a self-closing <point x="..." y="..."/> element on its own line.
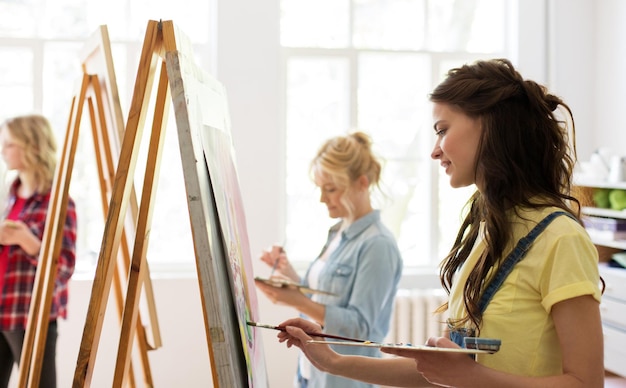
<point x="43" y="39"/>
<point x="349" y="64"/>
<point x="369" y="65"/>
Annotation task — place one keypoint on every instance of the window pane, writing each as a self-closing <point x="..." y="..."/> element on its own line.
<point x="317" y="108"/>
<point x="111" y="13"/>
<point x="22" y="22"/>
<point x="16" y="75"/>
<point x="16" y="99"/>
<point x="393" y="108"/>
<point x="16" y="81"/>
<point x="193" y="15"/>
<point x="61" y="75"/>
<point x="64" y="18"/>
<point x="392" y="96"/>
<point x="321" y="23"/>
<point x="389" y="24"/>
<point x="318" y="99"/>
<point x="468" y="25"/>
<point x="404" y="209"/>
<point x="488" y="28"/>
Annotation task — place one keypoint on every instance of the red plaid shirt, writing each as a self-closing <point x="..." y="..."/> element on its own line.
<point x="21" y="267"/>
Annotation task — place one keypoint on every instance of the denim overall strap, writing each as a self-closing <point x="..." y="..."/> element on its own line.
<point x="458" y="335"/>
<point x="518" y="253"/>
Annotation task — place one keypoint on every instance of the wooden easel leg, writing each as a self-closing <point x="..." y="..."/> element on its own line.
<point x="99" y="135"/>
<point x="137" y="268"/>
<point x="103" y="149"/>
<point x="117" y="210"/>
<point x="41" y="301"/>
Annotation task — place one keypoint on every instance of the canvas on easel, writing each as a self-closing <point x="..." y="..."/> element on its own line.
<point x="202" y="118"/>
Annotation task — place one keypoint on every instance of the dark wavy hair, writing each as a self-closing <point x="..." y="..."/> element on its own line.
<point x="525" y="159"/>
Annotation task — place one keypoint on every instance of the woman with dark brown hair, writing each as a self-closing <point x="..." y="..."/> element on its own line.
<point x="522" y="269"/>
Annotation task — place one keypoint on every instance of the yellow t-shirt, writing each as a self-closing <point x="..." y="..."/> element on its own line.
<point x="561" y="264"/>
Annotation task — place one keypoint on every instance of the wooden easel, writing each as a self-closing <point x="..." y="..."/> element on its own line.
<point x="119" y="200"/>
<point x="164" y="43"/>
<point x="224" y="331"/>
<point x="107" y="125"/>
<point x="105" y="122"/>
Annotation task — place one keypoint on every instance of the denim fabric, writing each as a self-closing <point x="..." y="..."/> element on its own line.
<point x="301" y="382"/>
<point x="457" y="335"/>
<point x="363" y="271"/>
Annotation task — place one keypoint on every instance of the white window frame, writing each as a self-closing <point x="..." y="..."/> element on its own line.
<point x="437" y="58"/>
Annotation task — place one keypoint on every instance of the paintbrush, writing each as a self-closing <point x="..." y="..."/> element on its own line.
<point x="274" y="267"/>
<point x="323" y="335"/>
<point x="281" y="249"/>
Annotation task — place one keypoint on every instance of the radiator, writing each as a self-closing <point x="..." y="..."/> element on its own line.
<point x="414" y="319"/>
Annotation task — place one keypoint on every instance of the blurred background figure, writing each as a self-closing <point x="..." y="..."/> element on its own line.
<point x="29" y="148"/>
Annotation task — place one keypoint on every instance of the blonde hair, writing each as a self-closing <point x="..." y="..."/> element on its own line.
<point x="344" y="159"/>
<point x="34" y="133"/>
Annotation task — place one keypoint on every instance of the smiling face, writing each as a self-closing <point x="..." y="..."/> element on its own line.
<point x="456" y="148"/>
<point x="12" y="152"/>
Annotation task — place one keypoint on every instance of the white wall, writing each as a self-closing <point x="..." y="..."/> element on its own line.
<point x="572" y="62"/>
<point x="558" y="47"/>
<point x="587" y="58"/>
<point x="609" y="95"/>
<point x="583" y="60"/>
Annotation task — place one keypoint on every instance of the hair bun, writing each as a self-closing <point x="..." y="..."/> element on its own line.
<point x="553" y="102"/>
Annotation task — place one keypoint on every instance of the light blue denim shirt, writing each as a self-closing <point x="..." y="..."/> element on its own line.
<point x="363" y="272"/>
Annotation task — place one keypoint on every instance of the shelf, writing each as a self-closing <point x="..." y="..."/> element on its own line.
<point x="587" y="187"/>
<point x="596" y="211"/>
<point x="600" y="184"/>
<point x="617" y="244"/>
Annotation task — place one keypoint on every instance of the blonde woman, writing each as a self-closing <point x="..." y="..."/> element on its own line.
<point x="29" y="148"/>
<point x="360" y="262"/>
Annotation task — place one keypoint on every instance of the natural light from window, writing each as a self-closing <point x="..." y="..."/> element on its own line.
<point x="371" y="68"/>
<point x="42" y="75"/>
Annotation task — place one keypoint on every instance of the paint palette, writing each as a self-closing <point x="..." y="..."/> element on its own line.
<point x="280" y="283"/>
<point x="474" y="346"/>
